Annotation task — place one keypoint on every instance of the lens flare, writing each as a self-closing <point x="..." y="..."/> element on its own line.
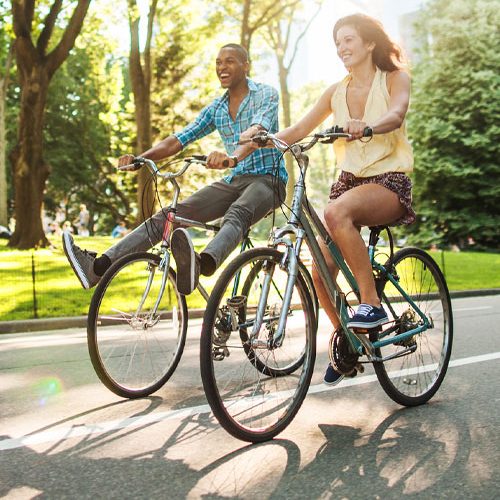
<point x="47" y="387"/>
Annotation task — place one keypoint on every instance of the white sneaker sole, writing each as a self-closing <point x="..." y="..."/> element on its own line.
<point x="181" y="254"/>
<point x="75" y="265"/>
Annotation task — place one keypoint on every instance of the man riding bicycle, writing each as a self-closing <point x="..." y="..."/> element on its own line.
<point x="255" y="185"/>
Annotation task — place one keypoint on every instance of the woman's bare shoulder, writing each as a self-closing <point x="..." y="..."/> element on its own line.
<point x="398" y="76"/>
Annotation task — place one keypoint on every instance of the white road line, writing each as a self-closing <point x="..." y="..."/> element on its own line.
<point x="69" y="432"/>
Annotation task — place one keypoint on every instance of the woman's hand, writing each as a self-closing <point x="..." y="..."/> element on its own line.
<point x="355" y="128"/>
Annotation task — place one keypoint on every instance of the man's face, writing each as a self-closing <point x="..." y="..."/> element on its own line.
<point x="230" y="68"/>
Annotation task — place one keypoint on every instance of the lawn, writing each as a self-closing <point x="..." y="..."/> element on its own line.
<point x="58" y="293"/>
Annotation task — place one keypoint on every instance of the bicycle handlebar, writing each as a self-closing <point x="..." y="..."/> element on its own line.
<point x="139" y="162"/>
<point x="326" y="137"/>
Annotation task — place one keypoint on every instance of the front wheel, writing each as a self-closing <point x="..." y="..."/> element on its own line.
<point x="135" y="350"/>
<point x="254" y="388"/>
<point x="414" y="378"/>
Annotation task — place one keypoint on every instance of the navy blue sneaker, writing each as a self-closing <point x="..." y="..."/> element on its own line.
<point x="368" y="316"/>
<point x="332" y="377"/>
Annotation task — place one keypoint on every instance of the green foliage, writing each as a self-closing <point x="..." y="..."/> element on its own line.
<point x="83" y="132"/>
<point x="454" y="124"/>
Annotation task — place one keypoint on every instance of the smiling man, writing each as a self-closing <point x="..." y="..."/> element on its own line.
<point x="254" y="186"/>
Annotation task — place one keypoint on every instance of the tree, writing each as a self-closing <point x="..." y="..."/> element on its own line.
<point x="140" y="76"/>
<point x="454" y="125"/>
<point x="279" y="38"/>
<point x="6" y="55"/>
<point x="36" y="64"/>
<point x="85" y="128"/>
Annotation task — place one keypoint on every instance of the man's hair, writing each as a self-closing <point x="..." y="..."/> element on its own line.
<point x="242" y="52"/>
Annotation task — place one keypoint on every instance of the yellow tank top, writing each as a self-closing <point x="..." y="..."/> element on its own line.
<point x="389" y="152"/>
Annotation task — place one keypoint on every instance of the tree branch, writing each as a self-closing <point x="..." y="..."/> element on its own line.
<point x="61" y="51"/>
<point x="147" y="48"/>
<point x="304" y="31"/>
<point x="48" y="28"/>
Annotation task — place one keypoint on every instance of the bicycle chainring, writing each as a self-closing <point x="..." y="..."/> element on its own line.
<point x="341" y="356"/>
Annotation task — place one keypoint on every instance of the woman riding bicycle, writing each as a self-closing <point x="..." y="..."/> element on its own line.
<point x="373" y="188"/>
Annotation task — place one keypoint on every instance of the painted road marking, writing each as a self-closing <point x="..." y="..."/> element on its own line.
<point x="68" y="432"/>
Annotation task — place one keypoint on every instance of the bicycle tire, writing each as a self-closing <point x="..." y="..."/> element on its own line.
<point x="249" y="405"/>
<point x="258" y="363"/>
<point x="134" y="354"/>
<point x="414" y="378"/>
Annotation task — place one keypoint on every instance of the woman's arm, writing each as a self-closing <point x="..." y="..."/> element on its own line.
<point x="398" y="83"/>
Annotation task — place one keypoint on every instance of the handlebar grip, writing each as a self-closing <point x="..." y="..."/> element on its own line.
<point x="200" y="157"/>
<point x="367" y="132"/>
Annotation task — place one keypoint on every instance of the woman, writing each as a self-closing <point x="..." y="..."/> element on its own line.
<point x="373" y="188"/>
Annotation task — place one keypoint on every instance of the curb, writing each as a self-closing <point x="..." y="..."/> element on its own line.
<point x="37" y="325"/>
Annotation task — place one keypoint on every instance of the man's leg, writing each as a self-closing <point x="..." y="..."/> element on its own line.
<point x="259" y="195"/>
<point x="206" y="204"/>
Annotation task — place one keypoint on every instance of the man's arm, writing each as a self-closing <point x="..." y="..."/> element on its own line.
<point x="173" y="144"/>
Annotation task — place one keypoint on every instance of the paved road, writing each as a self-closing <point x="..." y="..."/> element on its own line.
<point x="62" y="434"/>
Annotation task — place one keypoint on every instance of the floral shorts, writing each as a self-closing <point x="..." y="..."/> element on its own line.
<point x="396" y="182"/>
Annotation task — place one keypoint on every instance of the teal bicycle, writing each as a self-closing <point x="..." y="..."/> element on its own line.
<point x="267" y="334"/>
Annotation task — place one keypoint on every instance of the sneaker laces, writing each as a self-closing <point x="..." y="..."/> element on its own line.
<point x="364" y="309"/>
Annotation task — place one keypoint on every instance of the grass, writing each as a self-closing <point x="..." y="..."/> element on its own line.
<point x="58" y="293"/>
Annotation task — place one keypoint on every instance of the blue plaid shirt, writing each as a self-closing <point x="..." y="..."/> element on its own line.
<point x="260" y="107"/>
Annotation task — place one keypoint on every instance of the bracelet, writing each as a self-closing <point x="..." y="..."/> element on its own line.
<point x="235" y="160"/>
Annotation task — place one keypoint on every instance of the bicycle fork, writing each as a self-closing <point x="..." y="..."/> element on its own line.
<point x="290" y="264"/>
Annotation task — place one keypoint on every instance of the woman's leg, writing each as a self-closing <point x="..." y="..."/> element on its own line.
<point x="365" y="205"/>
<point x="323" y="297"/>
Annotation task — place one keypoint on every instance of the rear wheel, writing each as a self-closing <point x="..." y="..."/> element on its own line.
<point x="134" y="352"/>
<point x="254" y="388"/>
<point x="414" y="378"/>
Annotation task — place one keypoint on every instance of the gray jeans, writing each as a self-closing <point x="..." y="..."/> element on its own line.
<point x="242" y="203"/>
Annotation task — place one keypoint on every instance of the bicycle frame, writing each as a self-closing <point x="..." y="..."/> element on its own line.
<point x="171" y="218"/>
<point x="304" y="224"/>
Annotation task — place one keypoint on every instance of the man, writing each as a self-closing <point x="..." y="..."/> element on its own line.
<point x="255" y="185"/>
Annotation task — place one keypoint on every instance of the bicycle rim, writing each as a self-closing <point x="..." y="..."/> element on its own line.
<point x="256" y="392"/>
<point x="133" y="351"/>
<point x="414" y="378"/>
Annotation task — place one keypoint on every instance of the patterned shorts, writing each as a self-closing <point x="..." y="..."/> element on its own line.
<point x="396" y="182"/>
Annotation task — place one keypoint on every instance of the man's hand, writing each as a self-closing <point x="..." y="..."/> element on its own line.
<point x="216" y="159"/>
<point x="125" y="162"/>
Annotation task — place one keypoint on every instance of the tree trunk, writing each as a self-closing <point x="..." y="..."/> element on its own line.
<point x="36" y="65"/>
<point x="287" y="121"/>
<point x="30" y="171"/>
<point x="4" y="85"/>
<point x="140" y="76"/>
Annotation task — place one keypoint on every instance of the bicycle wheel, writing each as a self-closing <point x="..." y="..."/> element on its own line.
<point x="256" y="390"/>
<point x="414" y="378"/>
<point x="133" y="351"/>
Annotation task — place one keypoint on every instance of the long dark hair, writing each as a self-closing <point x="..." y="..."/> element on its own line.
<point x="386" y="55"/>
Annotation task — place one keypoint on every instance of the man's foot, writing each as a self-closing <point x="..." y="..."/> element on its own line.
<point x="332" y="376"/>
<point x="187" y="260"/>
<point x="368" y="316"/>
<point x="82" y="262"/>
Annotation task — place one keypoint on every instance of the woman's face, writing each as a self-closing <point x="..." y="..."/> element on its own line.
<point x="351" y="48"/>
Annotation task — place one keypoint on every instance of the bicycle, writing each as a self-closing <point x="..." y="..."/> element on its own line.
<point x="254" y="401"/>
<point x="137" y="320"/>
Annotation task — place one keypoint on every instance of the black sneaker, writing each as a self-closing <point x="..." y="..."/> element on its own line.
<point x="367" y="317"/>
<point x="187" y="260"/>
<point x="332" y="376"/>
<point x="82" y="261"/>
